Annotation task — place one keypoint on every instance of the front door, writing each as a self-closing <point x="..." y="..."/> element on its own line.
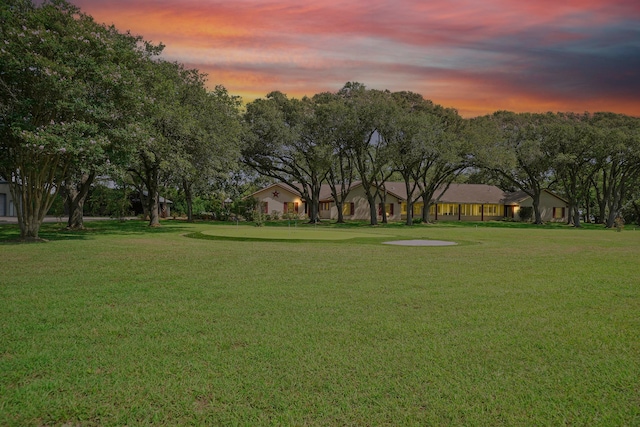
<point x="509" y="211"/>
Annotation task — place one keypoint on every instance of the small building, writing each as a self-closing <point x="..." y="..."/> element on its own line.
<point x="164" y="205"/>
<point x="7" y="206"/>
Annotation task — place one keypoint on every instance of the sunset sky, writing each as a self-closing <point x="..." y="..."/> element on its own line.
<point x="475" y="56"/>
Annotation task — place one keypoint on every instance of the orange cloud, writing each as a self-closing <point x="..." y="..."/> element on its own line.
<point x="475" y="56"/>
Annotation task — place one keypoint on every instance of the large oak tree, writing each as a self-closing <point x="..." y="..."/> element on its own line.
<point x="61" y="80"/>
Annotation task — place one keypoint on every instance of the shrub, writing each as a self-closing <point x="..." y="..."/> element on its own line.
<point x="258" y="217"/>
<point x="290" y="216"/>
<point x="525" y="213"/>
<point x="206" y="216"/>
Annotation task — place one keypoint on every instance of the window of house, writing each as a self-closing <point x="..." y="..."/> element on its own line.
<point x="325" y="206"/>
<point x="348" y="208"/>
<point x="471" y="209"/>
<point x="388" y="208"/>
<point x="448" y="209"/>
<point x="558" y="213"/>
<point x="265" y="207"/>
<point x="290" y="207"/>
<point x="492" y="209"/>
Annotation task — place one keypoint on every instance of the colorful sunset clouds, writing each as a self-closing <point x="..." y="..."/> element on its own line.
<point x="475" y="56"/>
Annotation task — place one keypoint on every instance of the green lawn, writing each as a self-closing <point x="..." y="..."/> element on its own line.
<point x="287" y="232"/>
<point x="125" y="325"/>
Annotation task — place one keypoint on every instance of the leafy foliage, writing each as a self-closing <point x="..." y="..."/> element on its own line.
<point x="63" y="84"/>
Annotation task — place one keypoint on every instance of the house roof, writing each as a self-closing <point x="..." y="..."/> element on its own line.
<point x="471" y="193"/>
<point x="391" y="187"/>
<point x="516" y="197"/>
<point x="454" y="193"/>
<point x="520" y="196"/>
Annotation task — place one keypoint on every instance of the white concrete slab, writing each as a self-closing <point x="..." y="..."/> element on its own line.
<point x="421" y="242"/>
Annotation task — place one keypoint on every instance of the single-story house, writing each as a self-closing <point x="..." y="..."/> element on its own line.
<point x="457" y="202"/>
<point x="7" y="207"/>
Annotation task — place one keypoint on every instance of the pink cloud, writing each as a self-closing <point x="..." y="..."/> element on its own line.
<point x="496" y="54"/>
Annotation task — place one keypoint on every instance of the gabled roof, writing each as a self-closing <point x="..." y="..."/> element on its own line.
<point x="516" y="197"/>
<point x="520" y="196"/>
<point x="392" y="188"/>
<point x="281" y="185"/>
<point x="471" y="193"/>
<point x="455" y="193"/>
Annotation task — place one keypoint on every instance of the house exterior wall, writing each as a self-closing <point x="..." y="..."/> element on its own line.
<point x="552" y="208"/>
<point x="361" y="210"/>
<point x="360" y="205"/>
<point x="7" y="208"/>
<point x="275" y="197"/>
<point x="356" y="206"/>
<point x="458" y="211"/>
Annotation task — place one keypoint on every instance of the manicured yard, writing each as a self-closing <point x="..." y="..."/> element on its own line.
<point x="126" y="325"/>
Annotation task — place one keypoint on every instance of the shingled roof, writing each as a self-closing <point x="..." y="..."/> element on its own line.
<point x="455" y="193"/>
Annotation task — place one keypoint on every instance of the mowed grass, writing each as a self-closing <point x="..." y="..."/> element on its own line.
<point x="286" y="232"/>
<point x="124" y="325"/>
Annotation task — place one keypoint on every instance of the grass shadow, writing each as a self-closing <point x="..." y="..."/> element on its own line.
<point x="10" y="233"/>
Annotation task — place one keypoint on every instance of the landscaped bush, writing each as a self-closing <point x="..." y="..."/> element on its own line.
<point x="526" y="213"/>
<point x="259" y="217"/>
<point x="207" y="216"/>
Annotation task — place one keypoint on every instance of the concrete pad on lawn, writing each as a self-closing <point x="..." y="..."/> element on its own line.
<point x="421" y="242"/>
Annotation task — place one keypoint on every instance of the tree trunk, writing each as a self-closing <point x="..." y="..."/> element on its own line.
<point x="29" y="228"/>
<point x="576" y="217"/>
<point x="313" y="213"/>
<point x="536" y="208"/>
<point x="587" y="210"/>
<point x="409" y="211"/>
<point x="339" y="206"/>
<point x="76" y="196"/>
<point x="33" y="198"/>
<point x="154" y="208"/>
<point x="28" y="220"/>
<point x="373" y="211"/>
<point x="76" y="213"/>
<point x="152" y="199"/>
<point x="188" y="194"/>
<point x="426" y="207"/>
<point x="407" y="184"/>
<point x="570" y="217"/>
<point x="383" y="202"/>
<point x="189" y="210"/>
<point x="612" y="213"/>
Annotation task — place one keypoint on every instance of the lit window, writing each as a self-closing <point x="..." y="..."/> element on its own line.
<point x="290" y="207"/>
